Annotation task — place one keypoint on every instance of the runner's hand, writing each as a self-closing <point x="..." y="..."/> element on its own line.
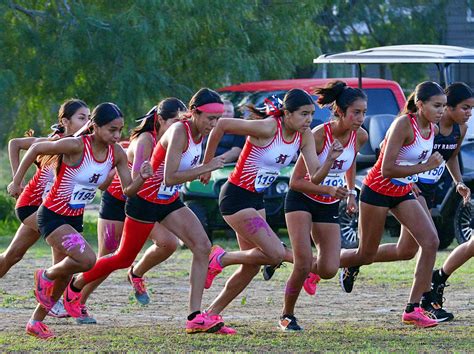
<point x="146" y="171"/>
<point x="434" y="161"/>
<point x="464" y="191"/>
<point x="335" y="150"/>
<point x="14" y="190"/>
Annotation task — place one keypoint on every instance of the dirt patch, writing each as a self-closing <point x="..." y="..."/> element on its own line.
<point x="113" y="304"/>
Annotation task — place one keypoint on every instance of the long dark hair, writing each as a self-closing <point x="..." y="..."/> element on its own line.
<point x="336" y="94"/>
<point x="458" y="92"/>
<point x="66" y="110"/>
<point x="204" y="96"/>
<point x="423" y="92"/>
<point x="167" y="109"/>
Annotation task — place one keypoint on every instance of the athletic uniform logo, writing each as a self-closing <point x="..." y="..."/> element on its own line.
<point x="423" y="155"/>
<point x="338" y="164"/>
<point x="95" y="178"/>
<point x="281" y="159"/>
<point x="195" y="160"/>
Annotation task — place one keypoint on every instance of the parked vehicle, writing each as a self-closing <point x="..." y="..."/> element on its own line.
<point x="385" y="99"/>
<point x="451" y="217"/>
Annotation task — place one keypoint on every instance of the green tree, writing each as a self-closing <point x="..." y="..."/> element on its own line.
<point x="357" y="24"/>
<point x="135" y="52"/>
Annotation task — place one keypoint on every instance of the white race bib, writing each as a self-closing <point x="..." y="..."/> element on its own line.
<point x="81" y="195"/>
<point x="432" y="176"/>
<point x="47" y="188"/>
<point x="334" y="180"/>
<point x="166" y="192"/>
<point x="403" y="181"/>
<point x="264" y="179"/>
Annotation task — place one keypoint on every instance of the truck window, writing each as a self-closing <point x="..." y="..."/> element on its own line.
<point x="381" y="101"/>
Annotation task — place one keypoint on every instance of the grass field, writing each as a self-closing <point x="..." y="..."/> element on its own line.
<point x="366" y="320"/>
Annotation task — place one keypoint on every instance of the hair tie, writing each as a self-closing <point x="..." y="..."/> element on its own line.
<point x="273" y="106"/>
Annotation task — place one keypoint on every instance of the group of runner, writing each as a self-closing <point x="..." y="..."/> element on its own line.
<point x="141" y="186"/>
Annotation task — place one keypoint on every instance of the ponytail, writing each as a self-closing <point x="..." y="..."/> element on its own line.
<point x="423" y="92"/>
<point x="336" y="94"/>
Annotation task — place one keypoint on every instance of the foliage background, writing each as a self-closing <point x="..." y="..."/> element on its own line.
<point x="135" y="52"/>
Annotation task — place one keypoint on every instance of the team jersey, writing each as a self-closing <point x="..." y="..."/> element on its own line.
<point x="445" y="145"/>
<point x="39" y="185"/>
<point x="259" y="166"/>
<point x="336" y="174"/>
<point x="417" y="151"/>
<point x="154" y="189"/>
<point x="37" y="188"/>
<point x="115" y="187"/>
<point x="75" y="186"/>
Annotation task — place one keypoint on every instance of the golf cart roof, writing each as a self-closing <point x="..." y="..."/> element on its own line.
<point x="410" y="53"/>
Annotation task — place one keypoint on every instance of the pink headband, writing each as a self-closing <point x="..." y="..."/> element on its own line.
<point x="212" y="108"/>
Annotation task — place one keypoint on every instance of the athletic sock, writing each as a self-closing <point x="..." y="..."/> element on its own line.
<point x="193" y="315"/>
<point x="33" y="322"/>
<point x="43" y="275"/>
<point x="72" y="287"/>
<point x="441" y="275"/>
<point x="411" y="307"/>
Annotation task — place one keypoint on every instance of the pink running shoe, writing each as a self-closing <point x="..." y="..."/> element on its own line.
<point x="227" y="331"/>
<point x="140" y="288"/>
<point x="224" y="329"/>
<point x="39" y="330"/>
<point x="204" y="323"/>
<point x="72" y="301"/>
<point x="418" y="318"/>
<point x="215" y="266"/>
<point x="43" y="290"/>
<point x="311" y="283"/>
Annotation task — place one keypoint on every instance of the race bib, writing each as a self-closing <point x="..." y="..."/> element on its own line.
<point x="432" y="176"/>
<point x="166" y="192"/>
<point x="334" y="180"/>
<point x="403" y="181"/>
<point x="47" y="188"/>
<point x="81" y="195"/>
<point x="264" y="179"/>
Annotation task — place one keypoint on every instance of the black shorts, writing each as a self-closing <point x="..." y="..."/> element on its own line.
<point x="320" y="212"/>
<point x="23" y="212"/>
<point x="233" y="199"/>
<point x="371" y="197"/>
<point x="143" y="210"/>
<point x="111" y="208"/>
<point x="428" y="191"/>
<point x="48" y="221"/>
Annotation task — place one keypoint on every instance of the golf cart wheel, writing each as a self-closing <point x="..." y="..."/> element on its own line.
<point x="463" y="222"/>
<point x="349" y="224"/>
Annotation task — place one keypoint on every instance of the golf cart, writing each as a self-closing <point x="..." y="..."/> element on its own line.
<point x="451" y="217"/>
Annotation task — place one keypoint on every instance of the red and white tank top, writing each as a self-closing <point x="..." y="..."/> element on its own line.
<point x="75" y="186"/>
<point x="337" y="173"/>
<point x="37" y="188"/>
<point x="39" y="185"/>
<point x="154" y="190"/>
<point x="417" y="151"/>
<point x="259" y="166"/>
<point x="115" y="187"/>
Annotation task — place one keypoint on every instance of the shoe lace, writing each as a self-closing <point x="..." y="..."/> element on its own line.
<point x="213" y="271"/>
<point x="351" y="272"/>
<point x="139" y="285"/>
<point x="43" y="328"/>
<point x="440" y="292"/>
<point x="84" y="311"/>
<point x="429" y="314"/>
